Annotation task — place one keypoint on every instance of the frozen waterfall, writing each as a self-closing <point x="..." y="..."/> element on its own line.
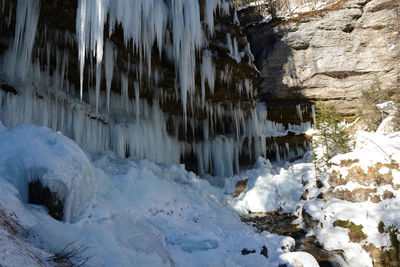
<point x="140" y="78"/>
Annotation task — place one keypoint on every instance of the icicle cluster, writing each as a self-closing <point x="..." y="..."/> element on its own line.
<point x="121" y="117"/>
<point x="174" y="26"/>
<point x="19" y="58"/>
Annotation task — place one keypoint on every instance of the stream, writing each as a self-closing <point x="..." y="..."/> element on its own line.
<point x="282" y="224"/>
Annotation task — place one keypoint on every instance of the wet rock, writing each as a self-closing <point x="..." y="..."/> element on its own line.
<point x="308" y="220"/>
<point x="282" y="224"/>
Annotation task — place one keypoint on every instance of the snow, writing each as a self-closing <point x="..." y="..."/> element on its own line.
<point x="367" y="214"/>
<point x="252" y="4"/>
<point x="392" y="46"/>
<point x="371" y="148"/>
<point x="141" y="214"/>
<point x="288" y="9"/>
<point x="387" y="106"/>
<point x="30" y="153"/>
<point x="300" y="259"/>
<point x="270" y="188"/>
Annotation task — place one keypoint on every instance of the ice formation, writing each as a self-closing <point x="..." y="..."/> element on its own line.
<point x="128" y="116"/>
<point x="19" y="58"/>
<point x="33" y="153"/>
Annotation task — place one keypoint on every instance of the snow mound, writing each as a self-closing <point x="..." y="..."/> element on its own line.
<point x="300" y="259"/>
<point x="270" y="188"/>
<point x="30" y="153"/>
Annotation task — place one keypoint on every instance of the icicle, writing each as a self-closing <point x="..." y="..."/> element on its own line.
<point x="137" y="87"/>
<point x="235" y="18"/>
<point x="225" y="7"/>
<point x="19" y="62"/>
<point x="299" y="112"/>
<point x="209" y="11"/>
<point x="110" y="55"/>
<point x="229" y="43"/>
<point x="313" y="114"/>
<point x="124" y="92"/>
<point x="98" y="80"/>
<point x="207" y="73"/>
<point x="81" y="34"/>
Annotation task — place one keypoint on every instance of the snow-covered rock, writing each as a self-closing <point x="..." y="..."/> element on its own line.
<point x="388" y="107"/>
<point x="270" y="188"/>
<point x="388" y="125"/>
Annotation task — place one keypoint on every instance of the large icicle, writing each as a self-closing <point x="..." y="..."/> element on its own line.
<point x="145" y="23"/>
<point x="19" y="61"/>
<point x="110" y="55"/>
<point x="207" y="73"/>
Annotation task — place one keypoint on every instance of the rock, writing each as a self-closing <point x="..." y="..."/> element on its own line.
<point x="264" y="251"/>
<point x="356" y="234"/>
<point x="388" y="194"/>
<point x="331" y="54"/>
<point x="9" y="89"/>
<point x="308" y="220"/>
<point x="41" y="195"/>
<point x="375" y="199"/>
<point x="245" y="251"/>
<point x="241" y="186"/>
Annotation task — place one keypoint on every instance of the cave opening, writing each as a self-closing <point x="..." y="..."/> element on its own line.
<point x="39" y="194"/>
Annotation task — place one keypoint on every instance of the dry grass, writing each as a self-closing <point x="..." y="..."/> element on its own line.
<point x="72" y="252"/>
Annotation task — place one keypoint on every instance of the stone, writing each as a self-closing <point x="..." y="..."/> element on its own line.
<point x="241" y="186"/>
<point x="331" y="54"/>
<point x="264" y="251"/>
<point x="8" y="89"/>
<point x="41" y="195"/>
<point x="245" y="251"/>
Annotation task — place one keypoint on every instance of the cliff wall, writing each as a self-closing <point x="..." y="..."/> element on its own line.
<point x="331" y="52"/>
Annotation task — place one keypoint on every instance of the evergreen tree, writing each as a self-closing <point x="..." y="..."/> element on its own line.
<point x="333" y="138"/>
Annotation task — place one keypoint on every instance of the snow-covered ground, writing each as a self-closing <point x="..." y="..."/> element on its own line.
<point x="127" y="212"/>
<point x="131" y="212"/>
<point x="375" y="156"/>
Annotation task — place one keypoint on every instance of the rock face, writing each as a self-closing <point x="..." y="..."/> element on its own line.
<point x="331" y="54"/>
